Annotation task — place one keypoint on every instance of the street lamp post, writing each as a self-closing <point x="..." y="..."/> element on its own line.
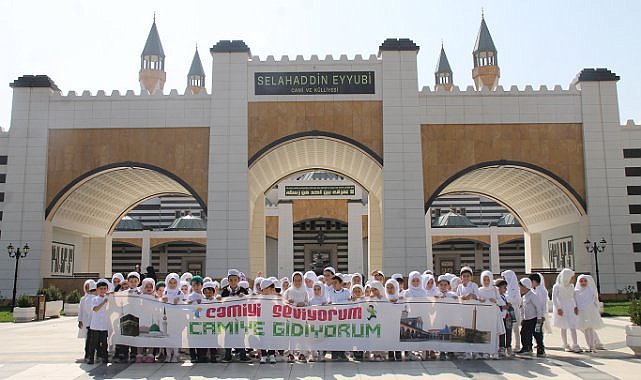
<point x="17" y="254"/>
<point x="596" y="248"/>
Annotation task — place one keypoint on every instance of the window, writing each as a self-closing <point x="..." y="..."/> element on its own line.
<point x="3" y="160"/>
<point x="636" y="247"/>
<point x="634" y="171"/>
<point x="3" y="178"/>
<point x="636" y="228"/>
<point x="631" y="153"/>
<point x="1" y="197"/>
<point x="637" y="266"/>
<point x="634" y="190"/>
<point x="634" y="209"/>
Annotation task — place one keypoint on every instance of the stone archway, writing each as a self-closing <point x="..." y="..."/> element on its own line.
<point x="299" y="154"/>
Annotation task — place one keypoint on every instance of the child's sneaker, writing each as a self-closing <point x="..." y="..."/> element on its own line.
<point x="301" y="357"/>
<point x="442" y="356"/>
<point x="467" y="356"/>
<point x="272" y="359"/>
<point x="263" y="359"/>
<point x="149" y="358"/>
<point x="576" y="349"/>
<point x="567" y="348"/>
<point x="139" y="358"/>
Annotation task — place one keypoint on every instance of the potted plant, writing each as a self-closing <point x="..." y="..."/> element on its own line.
<point x="633" y="331"/>
<point x="24" y="310"/>
<point x="72" y="303"/>
<point x="53" y="298"/>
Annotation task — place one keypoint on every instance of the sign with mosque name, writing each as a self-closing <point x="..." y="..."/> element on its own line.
<point x="315" y="191"/>
<point x="314" y="83"/>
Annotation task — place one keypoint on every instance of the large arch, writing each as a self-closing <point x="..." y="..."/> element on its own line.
<point x="95" y="201"/>
<point x="299" y="153"/>
<point x="538" y="198"/>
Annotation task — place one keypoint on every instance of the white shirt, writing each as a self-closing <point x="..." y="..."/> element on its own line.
<point x="470" y="288"/>
<point x="99" y="318"/>
<point x="172" y="294"/>
<point x="340" y="296"/>
<point x="195" y="297"/>
<point x="532" y="307"/>
<point x="297" y="295"/>
<point x="84" y="310"/>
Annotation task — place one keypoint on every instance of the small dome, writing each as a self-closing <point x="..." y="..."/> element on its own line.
<point x="453" y="220"/>
<point x="154" y="328"/>
<point x="129" y="224"/>
<point x="187" y="223"/>
<point x="508" y="220"/>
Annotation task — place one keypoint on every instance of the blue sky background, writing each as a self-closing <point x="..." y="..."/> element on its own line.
<point x="93" y="45"/>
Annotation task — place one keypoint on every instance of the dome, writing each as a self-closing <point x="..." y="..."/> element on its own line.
<point x="508" y="220"/>
<point x="129" y="224"/>
<point x="187" y="223"/>
<point x="154" y="328"/>
<point x="453" y="220"/>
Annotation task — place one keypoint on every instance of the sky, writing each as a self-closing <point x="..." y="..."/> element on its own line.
<point x="96" y="45"/>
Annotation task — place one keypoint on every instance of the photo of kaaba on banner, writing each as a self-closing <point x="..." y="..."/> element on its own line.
<point x="412" y="330"/>
<point x="129" y="325"/>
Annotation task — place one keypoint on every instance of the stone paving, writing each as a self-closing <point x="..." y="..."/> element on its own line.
<point x="50" y="350"/>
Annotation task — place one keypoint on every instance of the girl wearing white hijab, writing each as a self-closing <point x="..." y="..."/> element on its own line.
<point x="256" y="288"/>
<point x="515" y="301"/>
<point x="310" y="279"/>
<point x="431" y="289"/>
<point x="319" y="296"/>
<point x="587" y="302"/>
<point x="84" y="314"/>
<point x="415" y="287"/>
<point x="186" y="277"/>
<point x="392" y="294"/>
<point x="564" y="308"/>
<point x="489" y="293"/>
<point x="297" y="293"/>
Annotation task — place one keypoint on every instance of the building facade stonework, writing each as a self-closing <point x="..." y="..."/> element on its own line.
<point x="558" y="159"/>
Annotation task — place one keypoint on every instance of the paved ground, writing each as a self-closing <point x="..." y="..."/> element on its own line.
<point x="49" y="350"/>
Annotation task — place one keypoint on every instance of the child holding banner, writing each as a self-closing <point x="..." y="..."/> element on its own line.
<point x="415" y="290"/>
<point x="490" y="293"/>
<point x="268" y="288"/>
<point x="98" y="327"/>
<point x="233" y="289"/>
<point x="148" y="289"/>
<point x="377" y="293"/>
<point x="392" y="294"/>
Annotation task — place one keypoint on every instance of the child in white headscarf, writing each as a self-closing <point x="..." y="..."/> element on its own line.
<point x="297" y="293"/>
<point x="173" y="295"/>
<point x="393" y="295"/>
<point x="490" y="293"/>
<point x="377" y="293"/>
<point x="310" y="279"/>
<point x="415" y="287"/>
<point x="514" y="300"/>
<point x="587" y="302"/>
<point x="431" y="288"/>
<point x="564" y="308"/>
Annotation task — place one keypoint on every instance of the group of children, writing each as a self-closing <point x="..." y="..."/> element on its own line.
<point x="522" y="306"/>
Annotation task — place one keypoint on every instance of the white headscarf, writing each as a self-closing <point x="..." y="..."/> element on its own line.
<point x="257" y="282"/>
<point x="172" y="276"/>
<point x="186" y="277"/>
<point x="585" y="296"/>
<point x="145" y="281"/>
<point x="89" y="283"/>
<point x="488" y="274"/>
<point x="395" y="296"/>
<point x="374" y="284"/>
<point x="454" y="282"/>
<point x="513" y="293"/>
<point x="357" y="286"/>
<point x="318" y="300"/>
<point x="563" y="283"/>
<point x="359" y="276"/>
<point x="415" y="291"/>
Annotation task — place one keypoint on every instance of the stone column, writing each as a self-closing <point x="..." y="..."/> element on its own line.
<point x="285" y="239"/>
<point x="355" y="236"/>
<point x="532" y="243"/>
<point x="145" y="259"/>
<point x="495" y="264"/>
<point x="403" y="202"/>
<point x="227" y="203"/>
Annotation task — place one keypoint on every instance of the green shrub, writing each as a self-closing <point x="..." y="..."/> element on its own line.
<point x="51" y="293"/>
<point x="24" y="301"/>
<point x="635" y="312"/>
<point x="73" y="297"/>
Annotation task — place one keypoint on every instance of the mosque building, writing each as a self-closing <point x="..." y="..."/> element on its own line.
<point x="275" y="165"/>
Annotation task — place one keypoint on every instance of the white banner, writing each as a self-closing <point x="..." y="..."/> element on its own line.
<point x="270" y="323"/>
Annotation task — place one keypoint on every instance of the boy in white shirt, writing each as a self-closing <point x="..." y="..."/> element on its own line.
<point x="98" y="326"/>
<point x="532" y="322"/>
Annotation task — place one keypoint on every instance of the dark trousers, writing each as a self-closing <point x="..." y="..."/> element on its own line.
<point x="125" y="352"/>
<point x="264" y="353"/>
<point x="242" y="353"/>
<point x="527" y="332"/>
<point x="505" y="340"/>
<point x="201" y="355"/>
<point x="98" y="344"/>
<point x="87" y="345"/>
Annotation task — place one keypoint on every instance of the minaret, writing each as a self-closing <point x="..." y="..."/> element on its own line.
<point x="196" y="75"/>
<point x="152" y="74"/>
<point x="443" y="77"/>
<point x="486" y="70"/>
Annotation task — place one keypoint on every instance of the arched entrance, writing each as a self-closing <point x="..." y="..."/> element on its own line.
<point x="84" y="213"/>
<point x="546" y="206"/>
<point x="303" y="153"/>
